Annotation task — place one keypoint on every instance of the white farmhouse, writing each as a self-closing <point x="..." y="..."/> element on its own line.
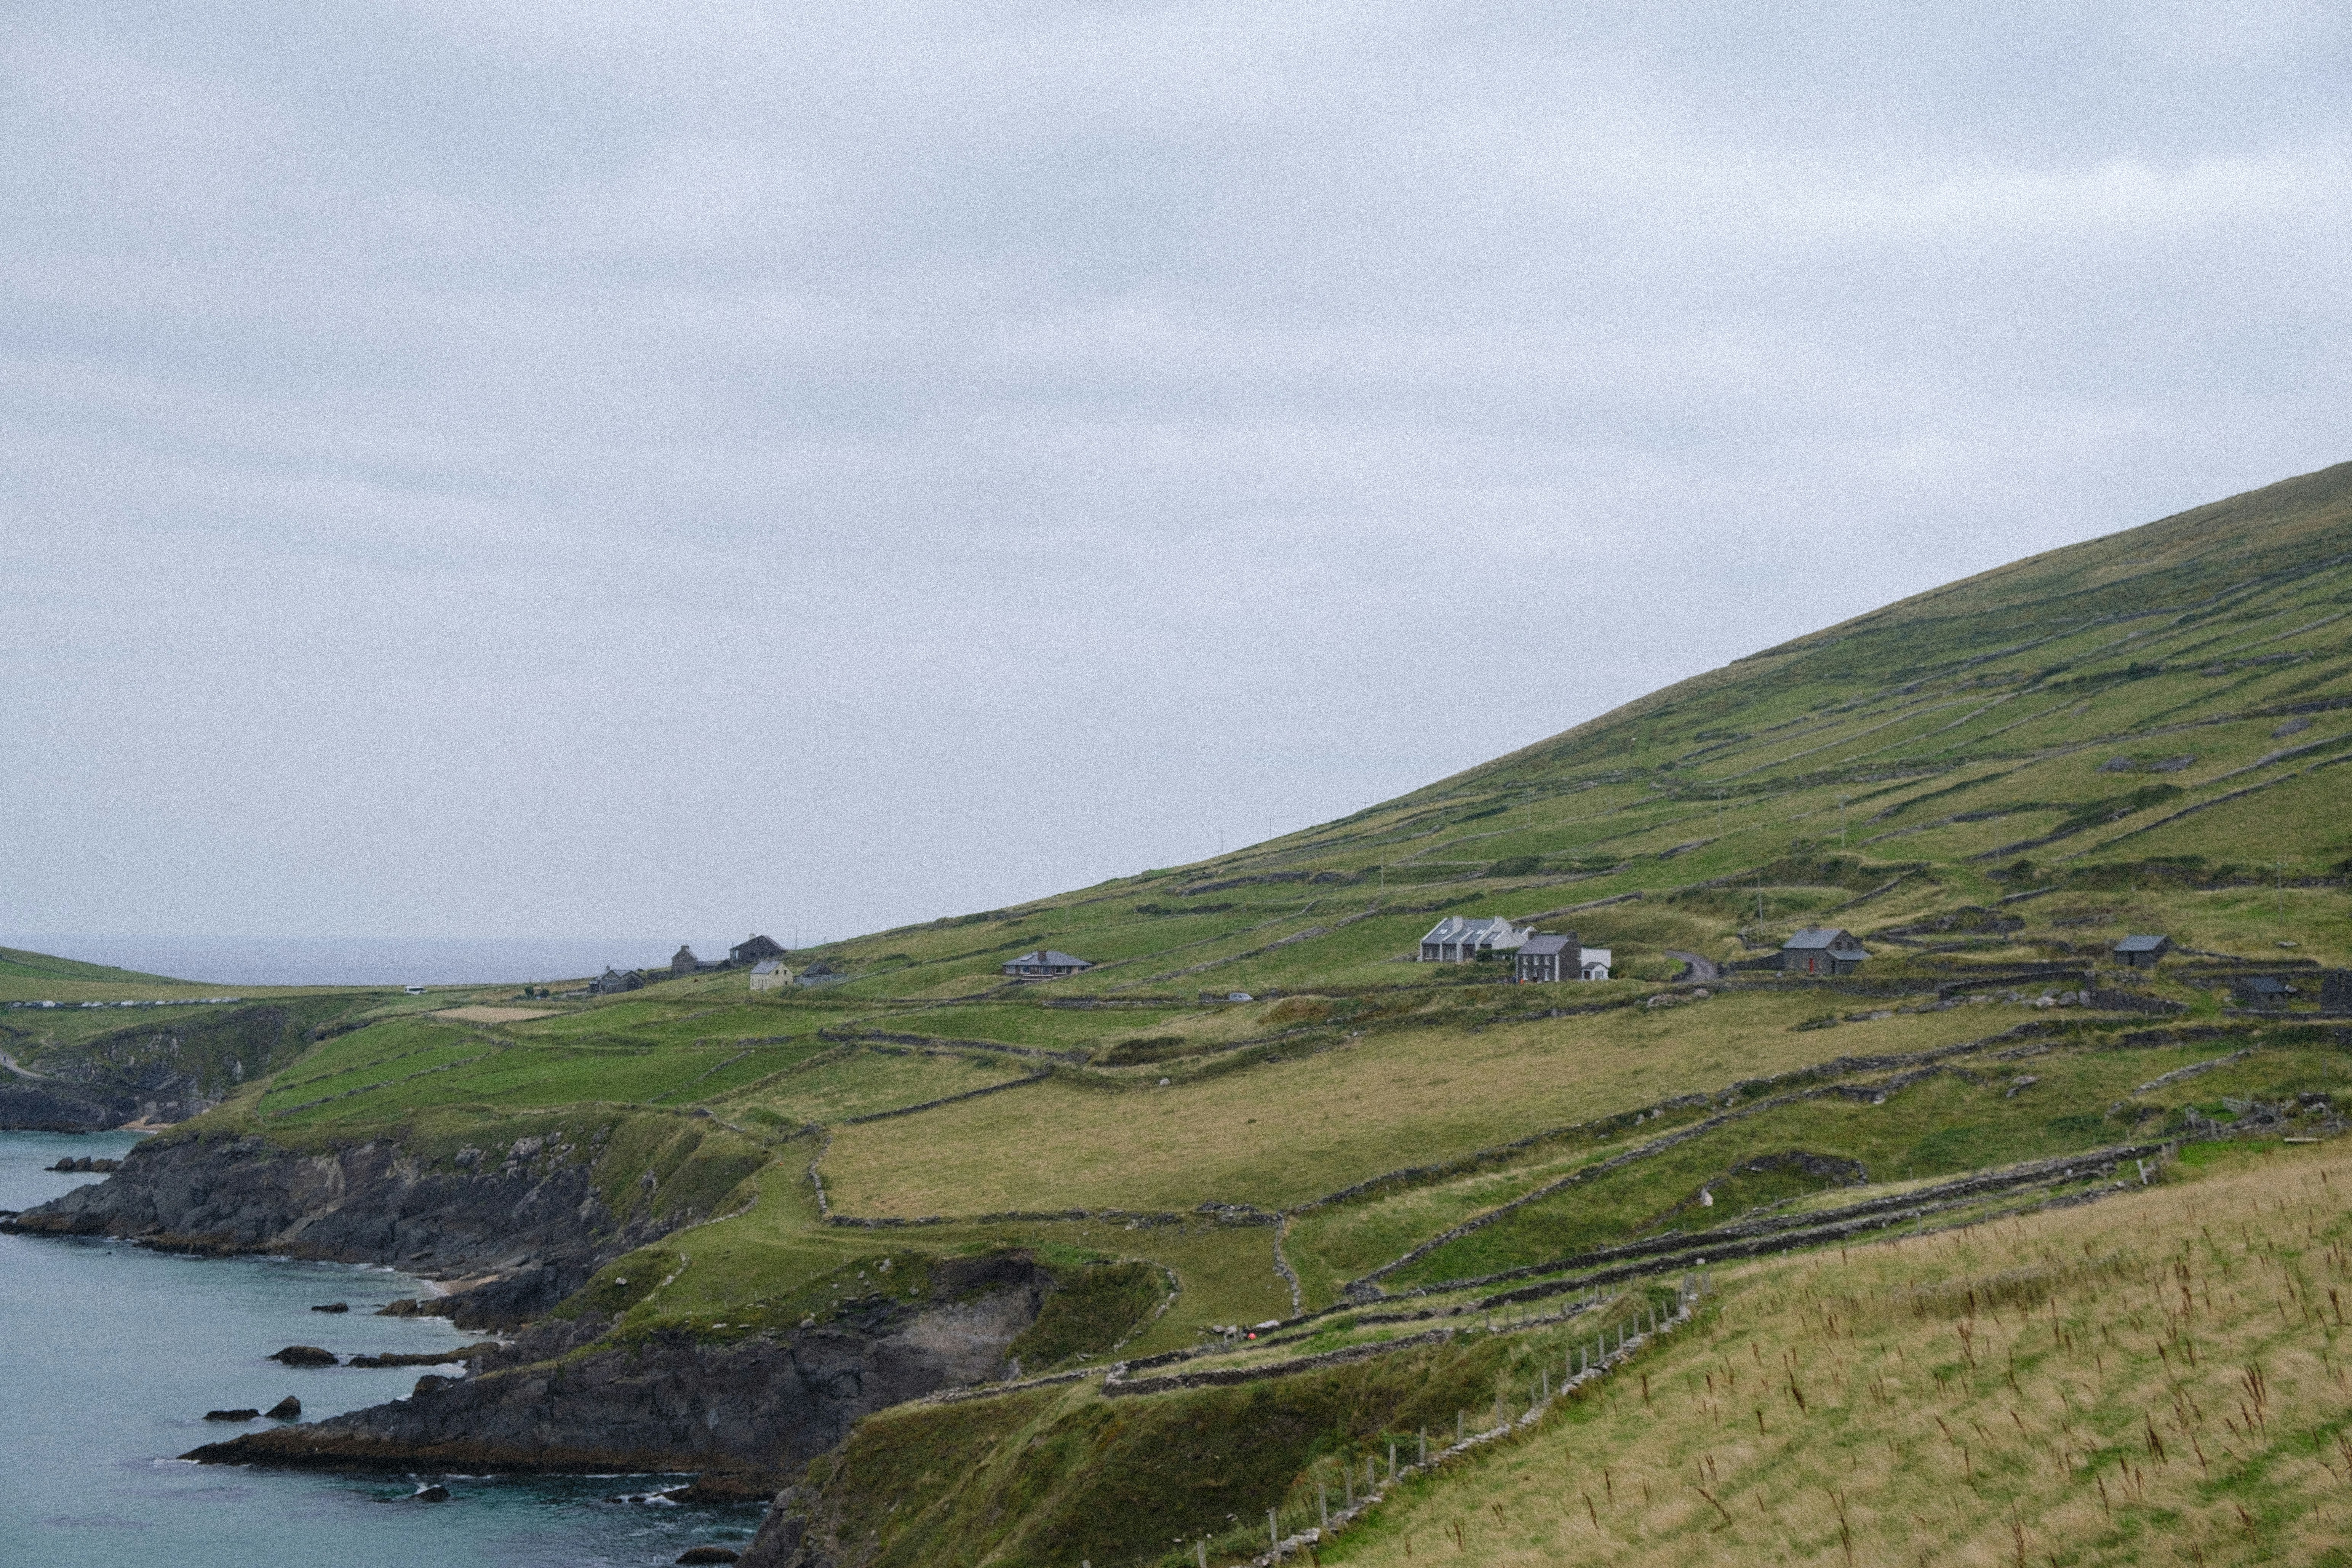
<point x="1458" y="939"/>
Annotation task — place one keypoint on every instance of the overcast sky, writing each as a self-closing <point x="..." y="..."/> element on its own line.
<point x="526" y="470"/>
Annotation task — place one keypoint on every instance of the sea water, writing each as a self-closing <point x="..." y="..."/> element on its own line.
<point x="111" y="1354"/>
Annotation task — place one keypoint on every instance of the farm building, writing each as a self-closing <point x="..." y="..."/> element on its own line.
<point x="2142" y="952"/>
<point x="1458" y="939"/>
<point x="1044" y="964"/>
<point x="2264" y="992"/>
<point x="769" y="975"/>
<point x="612" y="983"/>
<point x="1823" y="950"/>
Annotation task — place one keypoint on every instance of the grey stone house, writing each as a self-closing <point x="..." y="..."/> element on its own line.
<point x="2142" y="952"/>
<point x="612" y="983"/>
<point x="1823" y="950"/>
<point x="754" y="950"/>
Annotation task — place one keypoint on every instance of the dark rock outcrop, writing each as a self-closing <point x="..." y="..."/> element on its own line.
<point x="757" y="1407"/>
<point x="535" y="1222"/>
<point x="287" y="1409"/>
<point x="304" y="1355"/>
<point x="708" y="1554"/>
<point x="232" y="1415"/>
<point x="778" y="1540"/>
<point x="31" y="1105"/>
<point x="334" y="1307"/>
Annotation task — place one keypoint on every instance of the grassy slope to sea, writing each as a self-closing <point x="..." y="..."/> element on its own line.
<point x="1989" y="782"/>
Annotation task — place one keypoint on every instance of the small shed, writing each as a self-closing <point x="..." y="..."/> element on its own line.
<point x="2142" y="952"/>
<point x="769" y="975"/>
<point x="1595" y="963"/>
<point x="2266" y="992"/>
<point x="1044" y="964"/>
<point x="1823" y="950"/>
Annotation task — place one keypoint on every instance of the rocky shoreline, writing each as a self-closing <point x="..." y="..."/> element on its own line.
<point x="534" y="1225"/>
<point x="745" y="1413"/>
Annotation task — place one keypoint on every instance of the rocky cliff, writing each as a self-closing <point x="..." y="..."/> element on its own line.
<point x="751" y="1410"/>
<point x="532" y="1220"/>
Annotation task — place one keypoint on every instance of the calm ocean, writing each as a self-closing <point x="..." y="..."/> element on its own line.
<point x="110" y="1355"/>
<point x="349" y="961"/>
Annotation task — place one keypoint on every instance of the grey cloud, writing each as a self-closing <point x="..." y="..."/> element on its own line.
<point x="535" y="469"/>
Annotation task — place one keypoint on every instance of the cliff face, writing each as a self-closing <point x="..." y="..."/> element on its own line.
<point x="534" y="1220"/>
<point x="145" y="1073"/>
<point x="755" y="1409"/>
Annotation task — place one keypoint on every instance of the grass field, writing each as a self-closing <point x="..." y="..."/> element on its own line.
<point x="1280" y="1134"/>
<point x="2156" y="1379"/>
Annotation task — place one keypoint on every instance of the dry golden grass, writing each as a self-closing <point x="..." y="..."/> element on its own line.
<point x="1279" y="1134"/>
<point x="2154" y="1379"/>
<point x="495" y="1015"/>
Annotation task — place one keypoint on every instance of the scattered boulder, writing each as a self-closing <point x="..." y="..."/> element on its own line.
<point x="427" y="1358"/>
<point x="426" y="1307"/>
<point x="429" y="1494"/>
<point x="708" y="1554"/>
<point x="84" y="1162"/>
<point x="431" y="1382"/>
<point x="334" y="1307"/>
<point x="287" y="1409"/>
<point x="304" y="1355"/>
<point x="232" y="1415"/>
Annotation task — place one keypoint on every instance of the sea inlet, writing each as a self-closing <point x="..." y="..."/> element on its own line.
<point x="111" y="1354"/>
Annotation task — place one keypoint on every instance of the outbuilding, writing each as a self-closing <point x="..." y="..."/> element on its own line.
<point x="2142" y="952"/>
<point x="612" y="982"/>
<point x="2264" y="992"/>
<point x="769" y="975"/>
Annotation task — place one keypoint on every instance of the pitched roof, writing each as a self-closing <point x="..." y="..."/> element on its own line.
<point x="769" y="967"/>
<point x="1815" y="936"/>
<point x="2142" y="943"/>
<point x="1458" y="927"/>
<point x="1051" y="958"/>
<point x="2265" y="985"/>
<point x="1545" y="942"/>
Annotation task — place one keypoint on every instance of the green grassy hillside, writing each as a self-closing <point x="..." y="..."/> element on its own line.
<point x="1258" y="1097"/>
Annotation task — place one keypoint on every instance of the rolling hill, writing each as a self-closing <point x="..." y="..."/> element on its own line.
<point x="1441" y="1189"/>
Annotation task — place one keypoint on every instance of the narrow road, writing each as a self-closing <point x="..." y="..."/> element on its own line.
<point x="1695" y="966"/>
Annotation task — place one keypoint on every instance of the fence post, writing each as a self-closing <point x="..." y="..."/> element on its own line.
<point x="1323" y="1505"/>
<point x="1273" y="1533"/>
<point x="1391" y="1461"/>
<point x="1200" y="1552"/>
<point x="1457" y="1425"/>
<point x="1424" y="1445"/>
<point x="1348" y="1477"/>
